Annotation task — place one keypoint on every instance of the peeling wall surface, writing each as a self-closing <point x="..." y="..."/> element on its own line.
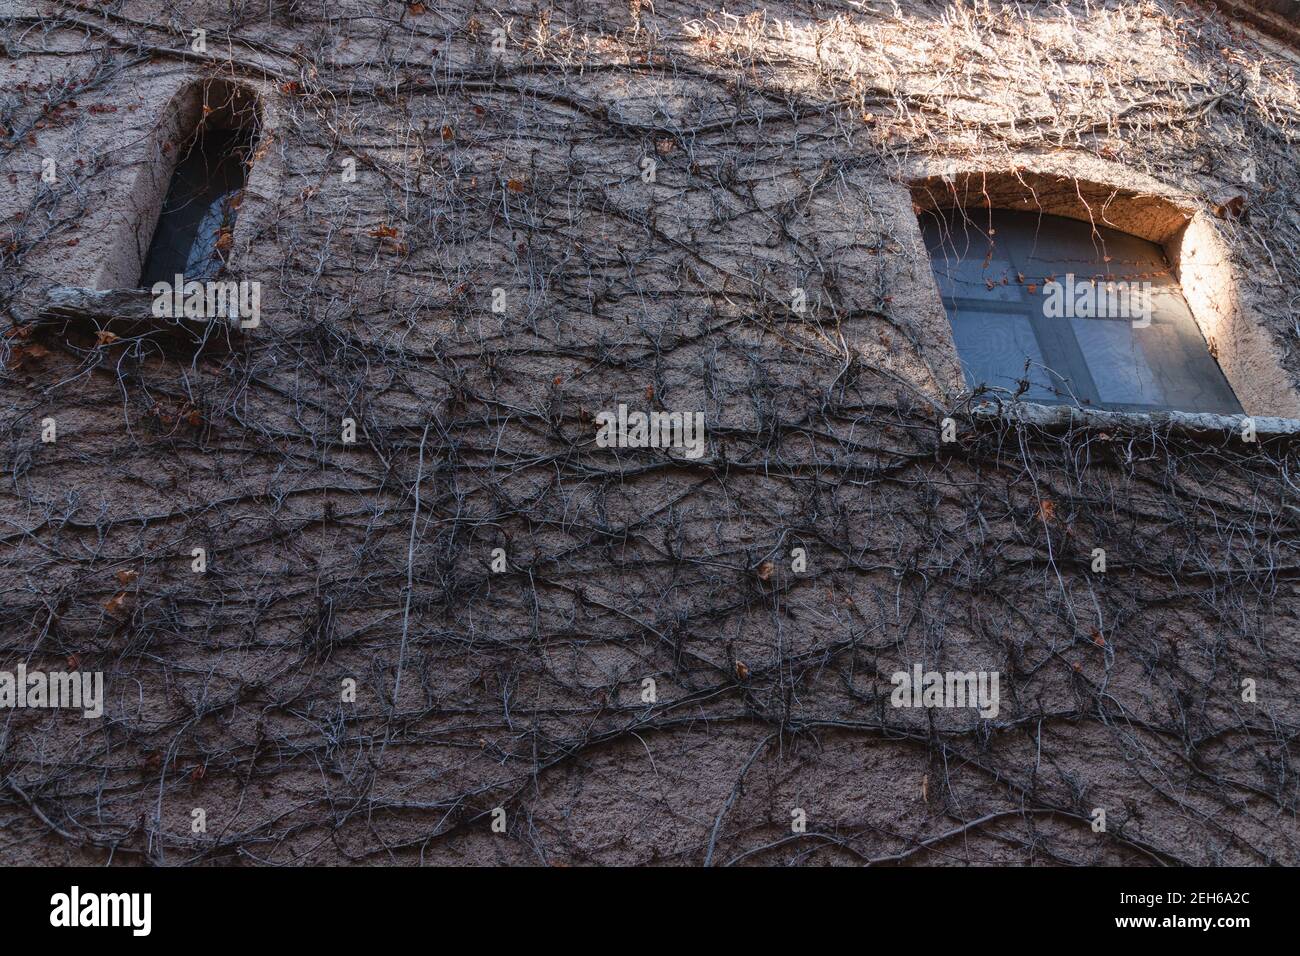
<point x="462" y="630"/>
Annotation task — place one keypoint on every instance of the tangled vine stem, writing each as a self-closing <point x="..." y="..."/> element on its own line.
<point x="780" y="138"/>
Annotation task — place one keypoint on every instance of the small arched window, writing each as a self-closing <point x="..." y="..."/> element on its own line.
<point x="196" y="226"/>
<point x="1052" y="309"/>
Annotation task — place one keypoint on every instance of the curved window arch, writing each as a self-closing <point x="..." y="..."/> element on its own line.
<point x="195" y="228"/>
<point x="1051" y="309"/>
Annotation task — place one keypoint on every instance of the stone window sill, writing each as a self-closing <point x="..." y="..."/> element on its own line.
<point x="1066" y="418"/>
<point x="129" y="315"/>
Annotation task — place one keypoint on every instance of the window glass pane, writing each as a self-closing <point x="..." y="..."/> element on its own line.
<point x="993" y="348"/>
<point x="200" y="203"/>
<point x="1056" y="246"/>
<point x="1101" y="309"/>
<point x="204" y="258"/>
<point x="970" y="263"/>
<point x="1117" y="362"/>
<point x="1162" y="365"/>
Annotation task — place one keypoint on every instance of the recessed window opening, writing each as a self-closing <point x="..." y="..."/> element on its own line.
<point x="195" y="230"/>
<point x="1055" y="310"/>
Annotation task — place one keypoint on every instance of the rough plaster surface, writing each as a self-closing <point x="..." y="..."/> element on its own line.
<point x="788" y="140"/>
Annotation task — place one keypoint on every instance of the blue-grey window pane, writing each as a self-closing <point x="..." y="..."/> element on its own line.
<point x="200" y="203"/>
<point x="1117" y="362"/>
<point x="205" y="258"/>
<point x="970" y="263"/>
<point x="998" y="260"/>
<point x="993" y="348"/>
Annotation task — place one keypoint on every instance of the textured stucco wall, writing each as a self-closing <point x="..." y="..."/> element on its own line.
<point x="788" y="140"/>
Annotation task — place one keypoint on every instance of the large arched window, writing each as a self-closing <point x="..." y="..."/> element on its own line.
<point x="196" y="226"/>
<point x="1055" y="310"/>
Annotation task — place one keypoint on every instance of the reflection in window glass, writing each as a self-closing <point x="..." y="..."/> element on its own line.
<point x="1116" y="362"/>
<point x="198" y="216"/>
<point x="1097" y="314"/>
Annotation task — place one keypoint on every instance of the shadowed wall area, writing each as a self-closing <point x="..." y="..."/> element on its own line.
<point x="477" y="228"/>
